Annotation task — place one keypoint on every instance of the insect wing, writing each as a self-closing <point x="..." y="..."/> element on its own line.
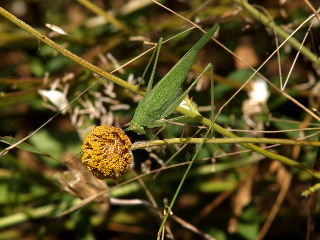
<point x="161" y="101"/>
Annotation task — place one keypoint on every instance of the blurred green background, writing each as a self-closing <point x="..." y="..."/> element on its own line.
<point x="227" y="196"/>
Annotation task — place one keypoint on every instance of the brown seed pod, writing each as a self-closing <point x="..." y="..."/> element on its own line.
<point x="107" y="152"/>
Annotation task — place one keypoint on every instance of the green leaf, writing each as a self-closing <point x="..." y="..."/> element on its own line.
<point x="217" y="185"/>
<point x="218" y="234"/>
<point x="46" y="143"/>
<point x="248" y="230"/>
<point x="23" y="145"/>
<point x="37" y="67"/>
<point x="249" y="225"/>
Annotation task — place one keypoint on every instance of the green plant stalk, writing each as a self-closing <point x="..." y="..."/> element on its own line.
<point x="184" y="177"/>
<point x="266" y="21"/>
<point x="67" y="53"/>
<point x="239" y="140"/>
<point x="24" y="216"/>
<point x="310" y="190"/>
<point x="232" y="140"/>
<point x="116" y="191"/>
<point x="130" y="186"/>
<point x="97" y="10"/>
<point x="226" y="133"/>
<point x="137" y="90"/>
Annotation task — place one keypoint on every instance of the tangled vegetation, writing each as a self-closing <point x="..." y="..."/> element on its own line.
<point x="238" y="158"/>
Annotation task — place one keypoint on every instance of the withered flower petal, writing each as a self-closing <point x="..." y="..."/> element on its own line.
<point x="107" y="152"/>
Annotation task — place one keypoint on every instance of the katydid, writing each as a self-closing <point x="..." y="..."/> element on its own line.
<point x="160" y="101"/>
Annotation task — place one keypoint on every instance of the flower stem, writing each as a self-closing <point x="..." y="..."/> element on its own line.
<point x="155" y="143"/>
<point x="246" y="142"/>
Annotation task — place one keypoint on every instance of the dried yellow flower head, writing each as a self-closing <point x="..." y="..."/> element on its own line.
<point x="106" y="152"/>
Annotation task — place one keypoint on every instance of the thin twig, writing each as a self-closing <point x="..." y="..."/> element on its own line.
<point x="313" y="202"/>
<point x="133" y="88"/>
<point x="153" y="203"/>
<point x="97" y="10"/>
<point x="256" y="71"/>
<point x="285" y="184"/>
<point x="295" y="43"/>
<point x="312" y="8"/>
<point x="157" y="143"/>
<point x="184" y="223"/>
<point x="272" y="155"/>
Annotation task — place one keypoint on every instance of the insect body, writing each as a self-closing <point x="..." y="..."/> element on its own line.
<point x="165" y="97"/>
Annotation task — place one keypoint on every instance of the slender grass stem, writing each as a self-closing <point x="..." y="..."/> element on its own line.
<point x="135" y="89"/>
<point x="94" y="8"/>
<point x="155" y="143"/>
<point x="198" y="149"/>
<point x="67" y="53"/>
<point x="311" y="190"/>
<point x="24" y="216"/>
<point x="266" y="21"/>
<point x="255" y="148"/>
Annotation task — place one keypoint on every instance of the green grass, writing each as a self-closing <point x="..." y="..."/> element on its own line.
<point x="232" y="191"/>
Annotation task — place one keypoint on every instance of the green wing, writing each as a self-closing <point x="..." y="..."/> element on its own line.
<point x="161" y="101"/>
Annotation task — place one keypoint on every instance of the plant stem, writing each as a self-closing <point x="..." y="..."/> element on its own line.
<point x="155" y="143"/>
<point x="97" y="10"/>
<point x="67" y="53"/>
<point x="239" y="140"/>
<point x="266" y="21"/>
<point x="104" y="74"/>
<point x="312" y="213"/>
<point x="184" y="177"/>
<point x="24" y="216"/>
<point x="226" y="133"/>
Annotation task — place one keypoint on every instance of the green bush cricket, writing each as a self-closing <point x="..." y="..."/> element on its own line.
<point x="160" y="101"/>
